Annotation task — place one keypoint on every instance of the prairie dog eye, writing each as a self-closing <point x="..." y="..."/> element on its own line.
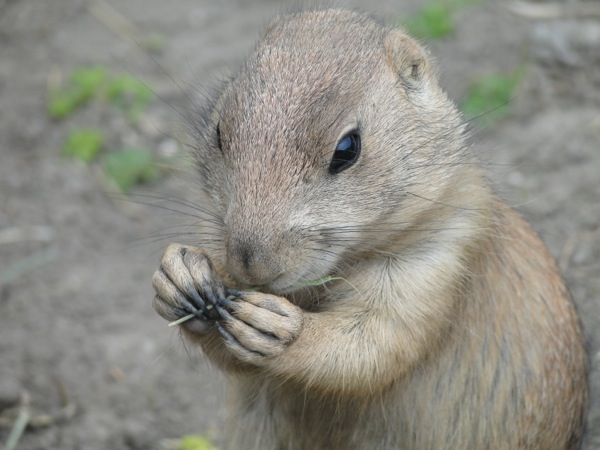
<point x="346" y="153"/>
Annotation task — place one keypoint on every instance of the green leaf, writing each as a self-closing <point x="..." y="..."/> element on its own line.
<point x="129" y="167"/>
<point x="83" y="144"/>
<point x="62" y="104"/>
<point x="83" y="84"/>
<point x="432" y="22"/>
<point x="196" y="443"/>
<point x="489" y="97"/>
<point x="130" y="95"/>
<point x="88" y="80"/>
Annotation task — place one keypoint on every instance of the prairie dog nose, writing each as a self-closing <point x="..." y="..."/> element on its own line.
<point x="253" y="262"/>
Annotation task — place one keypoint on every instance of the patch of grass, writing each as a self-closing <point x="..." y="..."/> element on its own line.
<point x="189" y="442"/>
<point x="130" y="95"/>
<point x="432" y="22"/>
<point x="83" y="144"/>
<point x="132" y="166"/>
<point x="194" y="442"/>
<point x="489" y="97"/>
<point x="82" y="85"/>
<point x="126" y="92"/>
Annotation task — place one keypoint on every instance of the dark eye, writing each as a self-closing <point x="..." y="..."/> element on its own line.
<point x="346" y="153"/>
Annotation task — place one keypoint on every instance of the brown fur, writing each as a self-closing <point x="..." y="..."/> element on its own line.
<point x="451" y="328"/>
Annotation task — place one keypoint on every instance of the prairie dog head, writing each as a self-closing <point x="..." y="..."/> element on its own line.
<point x="330" y="144"/>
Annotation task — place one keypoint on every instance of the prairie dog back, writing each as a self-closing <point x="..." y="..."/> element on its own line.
<point x="438" y="318"/>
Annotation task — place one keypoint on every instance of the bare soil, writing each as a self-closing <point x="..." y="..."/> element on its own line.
<point x="78" y="337"/>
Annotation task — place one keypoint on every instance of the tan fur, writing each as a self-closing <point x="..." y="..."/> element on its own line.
<point x="451" y="328"/>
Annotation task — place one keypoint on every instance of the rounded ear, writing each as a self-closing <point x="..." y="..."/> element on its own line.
<point x="406" y="58"/>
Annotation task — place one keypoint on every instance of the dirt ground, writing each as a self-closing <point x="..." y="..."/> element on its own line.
<point x="78" y="336"/>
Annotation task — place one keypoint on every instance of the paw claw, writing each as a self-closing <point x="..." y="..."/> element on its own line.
<point x="187" y="281"/>
<point x="225" y="334"/>
<point x="224" y="313"/>
<point x="233" y="293"/>
<point x="197" y="300"/>
<point x="226" y="302"/>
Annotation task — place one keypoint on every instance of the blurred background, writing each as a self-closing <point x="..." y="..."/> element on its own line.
<point x="94" y="175"/>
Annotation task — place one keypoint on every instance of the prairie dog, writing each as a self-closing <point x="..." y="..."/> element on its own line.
<point x="444" y="323"/>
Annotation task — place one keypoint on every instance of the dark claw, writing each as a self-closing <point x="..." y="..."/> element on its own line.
<point x="210" y="296"/>
<point x="223" y="312"/>
<point x="226" y="302"/>
<point x="233" y="293"/>
<point x="213" y="314"/>
<point x="197" y="301"/>
<point x="214" y="300"/>
<point x="182" y="312"/>
<point x="191" y="308"/>
<point x="204" y="304"/>
<point x="226" y="335"/>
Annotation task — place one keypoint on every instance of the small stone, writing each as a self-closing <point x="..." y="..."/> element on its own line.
<point x="168" y="148"/>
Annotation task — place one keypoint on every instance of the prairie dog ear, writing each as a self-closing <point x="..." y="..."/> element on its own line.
<point x="406" y="58"/>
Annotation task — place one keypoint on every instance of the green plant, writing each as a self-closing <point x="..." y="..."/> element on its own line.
<point x="489" y="97"/>
<point x="82" y="85"/>
<point x="194" y="442"/>
<point x="130" y="95"/>
<point x="83" y="144"/>
<point x="125" y="167"/>
<point x="125" y="91"/>
<point x="433" y="21"/>
<point x="129" y="167"/>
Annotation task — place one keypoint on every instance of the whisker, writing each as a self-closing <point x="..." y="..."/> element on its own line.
<point x="177" y="201"/>
<point x="463" y="208"/>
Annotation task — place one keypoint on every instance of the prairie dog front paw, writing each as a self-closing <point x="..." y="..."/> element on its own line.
<point x="257" y="326"/>
<point x="186" y="283"/>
